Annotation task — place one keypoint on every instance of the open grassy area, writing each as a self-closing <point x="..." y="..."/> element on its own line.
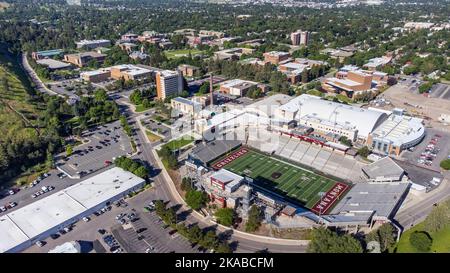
<point x="152" y="137"/>
<point x="180" y="142"/>
<point x="173" y="54"/>
<point x="441" y="241"/>
<point x="300" y="185"/>
<point x="141" y="108"/>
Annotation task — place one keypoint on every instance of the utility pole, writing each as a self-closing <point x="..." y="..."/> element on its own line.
<point x="211" y="89"/>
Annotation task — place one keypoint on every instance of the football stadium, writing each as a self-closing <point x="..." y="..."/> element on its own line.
<point x="315" y="192"/>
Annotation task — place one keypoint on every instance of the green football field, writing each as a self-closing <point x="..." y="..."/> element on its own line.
<point x="299" y="184"/>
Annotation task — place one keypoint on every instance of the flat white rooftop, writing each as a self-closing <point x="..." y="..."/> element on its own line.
<point x="40" y="216"/>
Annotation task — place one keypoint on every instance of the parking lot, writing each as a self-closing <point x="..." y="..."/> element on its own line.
<point x="441" y="91"/>
<point x="122" y="238"/>
<point x="157" y="127"/>
<point x="104" y="143"/>
<point x="431" y="151"/>
<point x="149" y="234"/>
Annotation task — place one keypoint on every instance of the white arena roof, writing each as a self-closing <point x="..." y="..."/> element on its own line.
<point x="29" y="222"/>
<point x="400" y="130"/>
<point x="364" y="120"/>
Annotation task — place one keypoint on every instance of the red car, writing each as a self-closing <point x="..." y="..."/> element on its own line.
<point x="107" y="162"/>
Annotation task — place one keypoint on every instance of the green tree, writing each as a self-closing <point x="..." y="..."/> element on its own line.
<point x="69" y="149"/>
<point x="141" y="171"/>
<point x="438" y="218"/>
<point x="225" y="216"/>
<point x="223" y="247"/>
<point x="445" y="164"/>
<point x="364" y="151"/>
<point x="421" y="241"/>
<point x="326" y="241"/>
<point x="385" y="235"/>
<point x="254" y="219"/>
<point x="196" y="199"/>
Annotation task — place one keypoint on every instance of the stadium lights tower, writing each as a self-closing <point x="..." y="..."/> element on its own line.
<point x="300" y="104"/>
<point x="321" y="194"/>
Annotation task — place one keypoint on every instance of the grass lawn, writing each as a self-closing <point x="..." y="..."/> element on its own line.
<point x="300" y="185"/>
<point x="152" y="137"/>
<point x="180" y="142"/>
<point x="141" y="108"/>
<point x="441" y="241"/>
<point x="173" y="54"/>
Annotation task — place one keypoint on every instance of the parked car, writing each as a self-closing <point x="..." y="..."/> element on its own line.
<point x="40" y="243"/>
<point x="86" y="219"/>
<point x="3" y="208"/>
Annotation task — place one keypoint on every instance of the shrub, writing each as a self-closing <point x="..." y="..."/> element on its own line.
<point x="421" y="241"/>
<point x="445" y="164"/>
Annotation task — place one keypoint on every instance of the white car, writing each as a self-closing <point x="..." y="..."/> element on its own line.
<point x="11" y="192"/>
<point x="40" y="243"/>
<point x="86" y="219"/>
<point x="2" y="208"/>
<point x="33" y="195"/>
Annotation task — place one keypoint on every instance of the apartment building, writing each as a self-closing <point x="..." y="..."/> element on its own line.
<point x="300" y="37"/>
<point x="91" y="44"/>
<point x="168" y="83"/>
<point x="276" y="57"/>
<point x="82" y="59"/>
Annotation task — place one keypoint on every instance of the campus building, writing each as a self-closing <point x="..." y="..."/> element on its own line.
<point x="129" y="37"/>
<point x="276" y="57"/>
<point x="397" y="133"/>
<point x="237" y="87"/>
<point x="82" y="59"/>
<point x="185" y="106"/>
<point x="130" y="72"/>
<point x="188" y="70"/>
<point x="45" y="54"/>
<point x="91" y="44"/>
<point x="168" y="83"/>
<point x="232" y="53"/>
<point x="53" y="64"/>
<point x="96" y="76"/>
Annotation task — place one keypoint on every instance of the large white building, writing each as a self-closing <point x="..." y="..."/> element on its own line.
<point x="23" y="227"/>
<point x="168" y="83"/>
<point x="397" y="133"/>
<point x="331" y="117"/>
<point x="91" y="44"/>
<point x="384" y="131"/>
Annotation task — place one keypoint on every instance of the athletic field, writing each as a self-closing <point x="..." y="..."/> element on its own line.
<point x="301" y="185"/>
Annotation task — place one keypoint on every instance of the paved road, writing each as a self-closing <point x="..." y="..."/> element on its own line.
<point x="416" y="213"/>
<point x="40" y="86"/>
